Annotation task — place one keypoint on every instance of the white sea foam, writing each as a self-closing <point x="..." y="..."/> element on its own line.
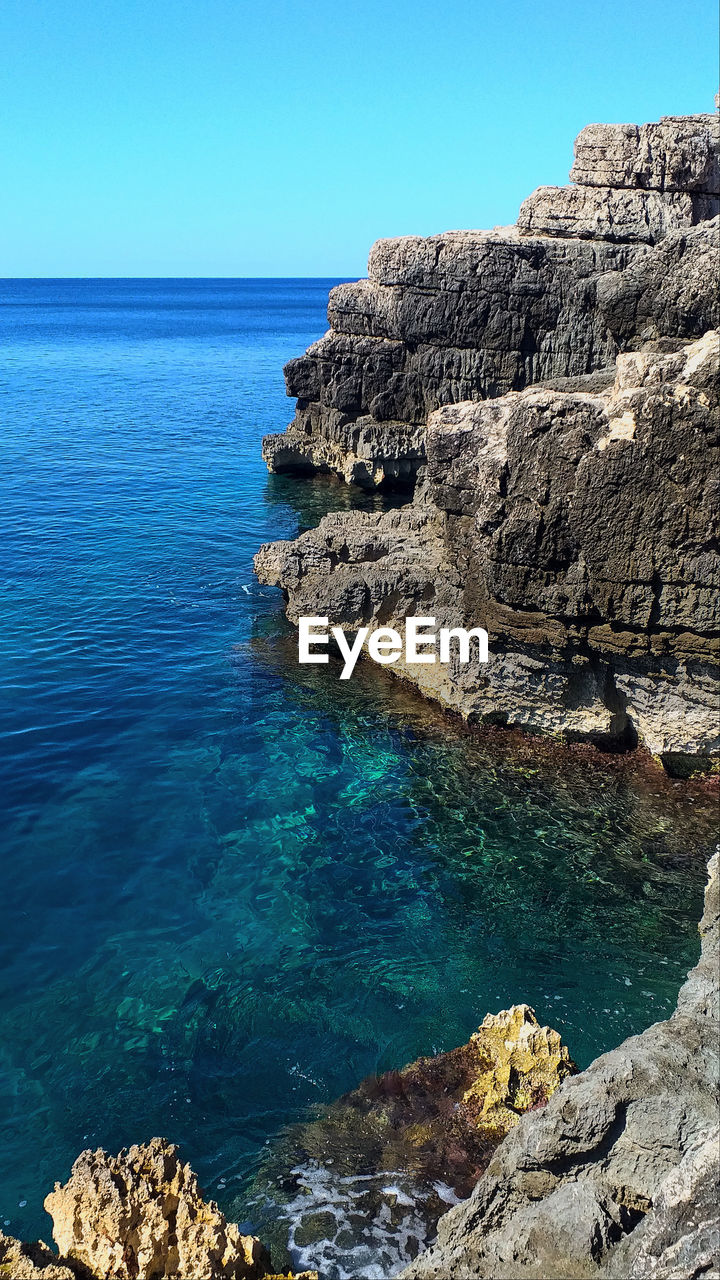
<point x="376" y="1223"/>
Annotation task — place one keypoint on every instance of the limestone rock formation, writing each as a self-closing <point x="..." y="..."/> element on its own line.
<point x="550" y="390"/>
<point x="137" y="1216"/>
<point x="440" y="1117"/>
<point x="617" y="1176"/>
<point x="606" y="213"/>
<point x="468" y="315"/>
<point x="681" y="1237"/>
<point x="21" y="1261"/>
<point x="519" y="1066"/>
<point x="678" y="153"/>
<point x="579" y="529"/>
<point x="140" y="1216"/>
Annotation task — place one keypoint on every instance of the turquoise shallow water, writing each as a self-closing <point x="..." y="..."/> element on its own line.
<point x="233" y="887"/>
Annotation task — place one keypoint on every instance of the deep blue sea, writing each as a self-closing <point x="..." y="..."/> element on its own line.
<point x="232" y="887"/>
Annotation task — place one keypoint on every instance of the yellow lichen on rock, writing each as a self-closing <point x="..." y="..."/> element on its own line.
<point x="520" y="1064"/>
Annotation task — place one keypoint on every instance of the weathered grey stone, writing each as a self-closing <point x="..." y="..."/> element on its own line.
<point x="470" y="315"/>
<point x="677" y="153"/>
<point x="615" y="1175"/>
<point x="666" y="290"/>
<point x="361" y="450"/>
<point x="576" y="520"/>
<point x="578" y="529"/>
<point x="489" y="314"/>
<point x="604" y="213"/>
<point x="680" y="1239"/>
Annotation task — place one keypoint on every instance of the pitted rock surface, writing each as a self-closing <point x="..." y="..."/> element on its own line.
<point x="140" y="1216"/>
<point x="617" y="1175"/>
<point x="579" y="528"/>
<point x="469" y="315"/>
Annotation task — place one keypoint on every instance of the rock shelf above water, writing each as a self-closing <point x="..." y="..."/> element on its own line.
<point x="551" y="391"/>
<point x="622" y="256"/>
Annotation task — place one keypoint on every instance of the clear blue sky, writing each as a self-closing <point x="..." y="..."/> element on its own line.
<point x="281" y="137"/>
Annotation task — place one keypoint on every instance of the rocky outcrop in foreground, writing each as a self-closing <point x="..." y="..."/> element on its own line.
<point x="552" y="388"/>
<point x="610" y="1173"/>
<point x="618" y="1175"/>
<point x="136" y="1216"/>
<point x="441" y="1117"/>
<point x="141" y="1216"/>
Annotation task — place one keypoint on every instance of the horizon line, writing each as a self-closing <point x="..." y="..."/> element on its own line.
<point x="331" y="276"/>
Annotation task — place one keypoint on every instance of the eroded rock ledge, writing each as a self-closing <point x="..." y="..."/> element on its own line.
<point x="579" y="528"/>
<point x="618" y="1175"/>
<point x="624" y="255"/>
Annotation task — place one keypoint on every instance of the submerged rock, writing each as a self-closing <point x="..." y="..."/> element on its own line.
<point x="618" y="1175"/>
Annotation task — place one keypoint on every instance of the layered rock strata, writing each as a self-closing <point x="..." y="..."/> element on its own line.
<point x="579" y="528"/>
<point x="618" y="1175"/>
<point x="589" y="270"/>
<point x="551" y="390"/>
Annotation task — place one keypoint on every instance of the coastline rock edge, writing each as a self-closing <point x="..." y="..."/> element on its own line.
<point x="618" y="1175"/>
<point x="549" y="391"/>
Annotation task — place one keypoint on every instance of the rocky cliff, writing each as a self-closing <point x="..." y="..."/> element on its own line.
<point x="618" y="1175"/>
<point x="553" y="390"/>
<point x="622" y="256"/>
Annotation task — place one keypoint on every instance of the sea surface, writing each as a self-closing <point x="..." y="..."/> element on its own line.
<point x="232" y="887"/>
